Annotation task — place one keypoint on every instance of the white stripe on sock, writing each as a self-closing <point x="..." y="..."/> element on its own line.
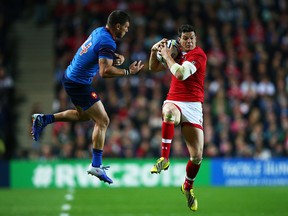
<point x="190" y="178"/>
<point x="166" y="140"/>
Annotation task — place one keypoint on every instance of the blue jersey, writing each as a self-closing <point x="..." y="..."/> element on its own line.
<point x="84" y="65"/>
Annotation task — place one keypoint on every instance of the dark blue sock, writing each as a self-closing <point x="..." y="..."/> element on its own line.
<point x="96" y="157"/>
<point x="49" y="118"/>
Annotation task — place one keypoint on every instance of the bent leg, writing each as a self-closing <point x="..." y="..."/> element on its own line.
<point x="171" y="118"/>
<point x="194" y="139"/>
<point x="40" y="121"/>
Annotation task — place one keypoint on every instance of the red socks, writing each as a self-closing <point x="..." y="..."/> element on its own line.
<point x="167" y="136"/>
<point x="191" y="172"/>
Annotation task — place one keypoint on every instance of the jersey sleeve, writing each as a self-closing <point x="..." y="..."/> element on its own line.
<point x="106" y="52"/>
<point x="107" y="48"/>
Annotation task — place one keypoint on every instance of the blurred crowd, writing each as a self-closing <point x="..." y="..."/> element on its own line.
<point x="8" y="72"/>
<point x="10" y="12"/>
<point x="246" y="91"/>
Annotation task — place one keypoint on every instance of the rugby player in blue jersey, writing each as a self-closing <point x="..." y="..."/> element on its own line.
<point x="95" y="56"/>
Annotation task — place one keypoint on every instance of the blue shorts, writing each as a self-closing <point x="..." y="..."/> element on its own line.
<point x="83" y="95"/>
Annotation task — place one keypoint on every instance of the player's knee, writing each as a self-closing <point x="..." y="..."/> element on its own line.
<point x="169" y="117"/>
<point x="196" y="160"/>
<point x="103" y="122"/>
<point x="106" y="121"/>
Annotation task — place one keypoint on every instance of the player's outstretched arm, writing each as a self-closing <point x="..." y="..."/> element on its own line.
<point x="107" y="70"/>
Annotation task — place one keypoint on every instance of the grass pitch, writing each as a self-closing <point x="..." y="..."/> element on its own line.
<point x="108" y="201"/>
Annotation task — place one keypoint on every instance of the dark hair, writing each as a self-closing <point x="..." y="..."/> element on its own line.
<point x="118" y="16"/>
<point x="186" y="28"/>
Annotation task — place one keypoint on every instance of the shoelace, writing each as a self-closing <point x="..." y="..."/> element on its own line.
<point x="105" y="167"/>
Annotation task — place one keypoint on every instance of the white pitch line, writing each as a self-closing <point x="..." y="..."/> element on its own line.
<point x="69" y="197"/>
<point x="66" y="207"/>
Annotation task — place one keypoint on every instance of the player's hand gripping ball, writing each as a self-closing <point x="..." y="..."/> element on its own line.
<point x="175" y="50"/>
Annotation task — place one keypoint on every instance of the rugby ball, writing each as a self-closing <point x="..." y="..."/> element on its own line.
<point x="174" y="51"/>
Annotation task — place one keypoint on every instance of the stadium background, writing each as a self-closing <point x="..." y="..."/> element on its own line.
<point x="245" y="109"/>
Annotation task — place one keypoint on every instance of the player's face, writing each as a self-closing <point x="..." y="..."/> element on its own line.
<point x="122" y="30"/>
<point x="187" y="41"/>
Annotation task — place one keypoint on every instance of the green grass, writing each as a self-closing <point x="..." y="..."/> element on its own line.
<point x="213" y="201"/>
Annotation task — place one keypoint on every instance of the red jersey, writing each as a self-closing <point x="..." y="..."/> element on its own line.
<point x="191" y="89"/>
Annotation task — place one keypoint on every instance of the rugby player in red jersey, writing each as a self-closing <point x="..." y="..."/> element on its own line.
<point x="183" y="105"/>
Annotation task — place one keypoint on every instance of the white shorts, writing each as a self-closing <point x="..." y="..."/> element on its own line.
<point x="191" y="113"/>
